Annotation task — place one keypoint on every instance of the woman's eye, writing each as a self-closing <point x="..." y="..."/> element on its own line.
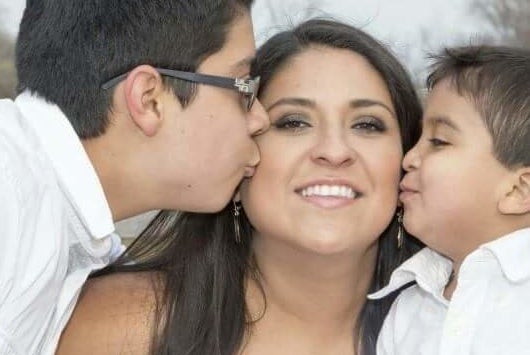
<point x="370" y="125"/>
<point x="436" y="142"/>
<point x="291" y="122"/>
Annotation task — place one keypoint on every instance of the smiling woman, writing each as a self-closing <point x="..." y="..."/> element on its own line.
<point x="336" y="132"/>
<point x="289" y="272"/>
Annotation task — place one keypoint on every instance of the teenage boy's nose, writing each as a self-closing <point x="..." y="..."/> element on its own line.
<point x="258" y="119"/>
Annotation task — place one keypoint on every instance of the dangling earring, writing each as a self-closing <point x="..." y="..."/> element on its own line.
<point x="400" y="228"/>
<point x="237" y="229"/>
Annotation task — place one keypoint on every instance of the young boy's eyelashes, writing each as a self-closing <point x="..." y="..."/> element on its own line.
<point x="437" y="142"/>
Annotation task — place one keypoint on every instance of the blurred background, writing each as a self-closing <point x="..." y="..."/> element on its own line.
<point x="411" y="28"/>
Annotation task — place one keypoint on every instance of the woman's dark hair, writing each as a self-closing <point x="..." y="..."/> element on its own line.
<point x="202" y="267"/>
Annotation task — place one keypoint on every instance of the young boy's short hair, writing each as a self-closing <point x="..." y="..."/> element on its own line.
<point x="497" y="81"/>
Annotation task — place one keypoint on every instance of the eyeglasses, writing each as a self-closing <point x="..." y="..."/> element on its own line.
<point x="246" y="87"/>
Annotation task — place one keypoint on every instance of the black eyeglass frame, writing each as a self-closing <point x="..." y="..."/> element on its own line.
<point x="247" y="87"/>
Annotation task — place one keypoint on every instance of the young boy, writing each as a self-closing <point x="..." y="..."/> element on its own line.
<point x="124" y="107"/>
<point x="466" y="195"/>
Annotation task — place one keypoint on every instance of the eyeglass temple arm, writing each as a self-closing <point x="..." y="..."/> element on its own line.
<point x="245" y="86"/>
<point x="227" y="83"/>
<point x="107" y="85"/>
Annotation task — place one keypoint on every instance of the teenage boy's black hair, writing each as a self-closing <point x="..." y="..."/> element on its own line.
<point x="67" y="48"/>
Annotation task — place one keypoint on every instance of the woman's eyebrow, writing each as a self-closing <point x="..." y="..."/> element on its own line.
<point x="360" y="103"/>
<point x="293" y="101"/>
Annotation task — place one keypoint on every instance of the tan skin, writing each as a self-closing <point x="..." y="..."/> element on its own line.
<point x="317" y="259"/>
<point x="114" y="315"/>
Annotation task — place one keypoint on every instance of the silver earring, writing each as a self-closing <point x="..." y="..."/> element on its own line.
<point x="400" y="229"/>
<point x="237" y="228"/>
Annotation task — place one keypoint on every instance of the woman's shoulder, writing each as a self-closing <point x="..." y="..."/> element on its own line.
<point x="114" y="314"/>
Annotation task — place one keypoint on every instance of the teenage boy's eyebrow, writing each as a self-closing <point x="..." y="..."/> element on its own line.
<point x="243" y="64"/>
<point x="443" y="120"/>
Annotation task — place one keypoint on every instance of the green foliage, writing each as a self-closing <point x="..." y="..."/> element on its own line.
<point x="8" y="78"/>
<point x="508" y="18"/>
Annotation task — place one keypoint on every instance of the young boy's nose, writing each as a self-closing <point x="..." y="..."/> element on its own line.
<point x="412" y="160"/>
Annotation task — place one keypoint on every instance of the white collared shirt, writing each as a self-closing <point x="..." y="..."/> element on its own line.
<point x="55" y="224"/>
<point x="489" y="312"/>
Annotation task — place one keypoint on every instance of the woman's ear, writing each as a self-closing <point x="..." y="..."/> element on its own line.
<point x="516" y="201"/>
<point x="144" y="93"/>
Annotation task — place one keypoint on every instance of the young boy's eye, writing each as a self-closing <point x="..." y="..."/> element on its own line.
<point x="291" y="122"/>
<point x="369" y="125"/>
<point x="436" y="142"/>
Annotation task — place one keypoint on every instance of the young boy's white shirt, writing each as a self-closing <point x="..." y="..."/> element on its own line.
<point x="488" y="314"/>
<point x="55" y="224"/>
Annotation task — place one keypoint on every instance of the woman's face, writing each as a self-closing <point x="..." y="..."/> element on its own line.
<point x="330" y="164"/>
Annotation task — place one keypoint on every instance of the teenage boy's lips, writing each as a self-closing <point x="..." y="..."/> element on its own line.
<point x="249" y="171"/>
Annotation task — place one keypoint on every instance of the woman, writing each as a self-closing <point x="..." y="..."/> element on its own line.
<point x="288" y="273"/>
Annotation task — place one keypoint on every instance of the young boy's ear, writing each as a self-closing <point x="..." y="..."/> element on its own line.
<point x="517" y="199"/>
<point x="144" y="91"/>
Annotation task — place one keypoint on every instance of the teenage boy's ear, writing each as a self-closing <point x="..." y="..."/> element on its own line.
<point x="144" y="94"/>
<point x="517" y="199"/>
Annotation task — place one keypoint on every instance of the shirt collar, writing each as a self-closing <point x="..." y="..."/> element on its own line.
<point x="513" y="254"/>
<point x="431" y="270"/>
<point x="427" y="268"/>
<point x="71" y="163"/>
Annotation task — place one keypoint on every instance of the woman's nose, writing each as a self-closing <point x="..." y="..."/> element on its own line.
<point x="333" y="149"/>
